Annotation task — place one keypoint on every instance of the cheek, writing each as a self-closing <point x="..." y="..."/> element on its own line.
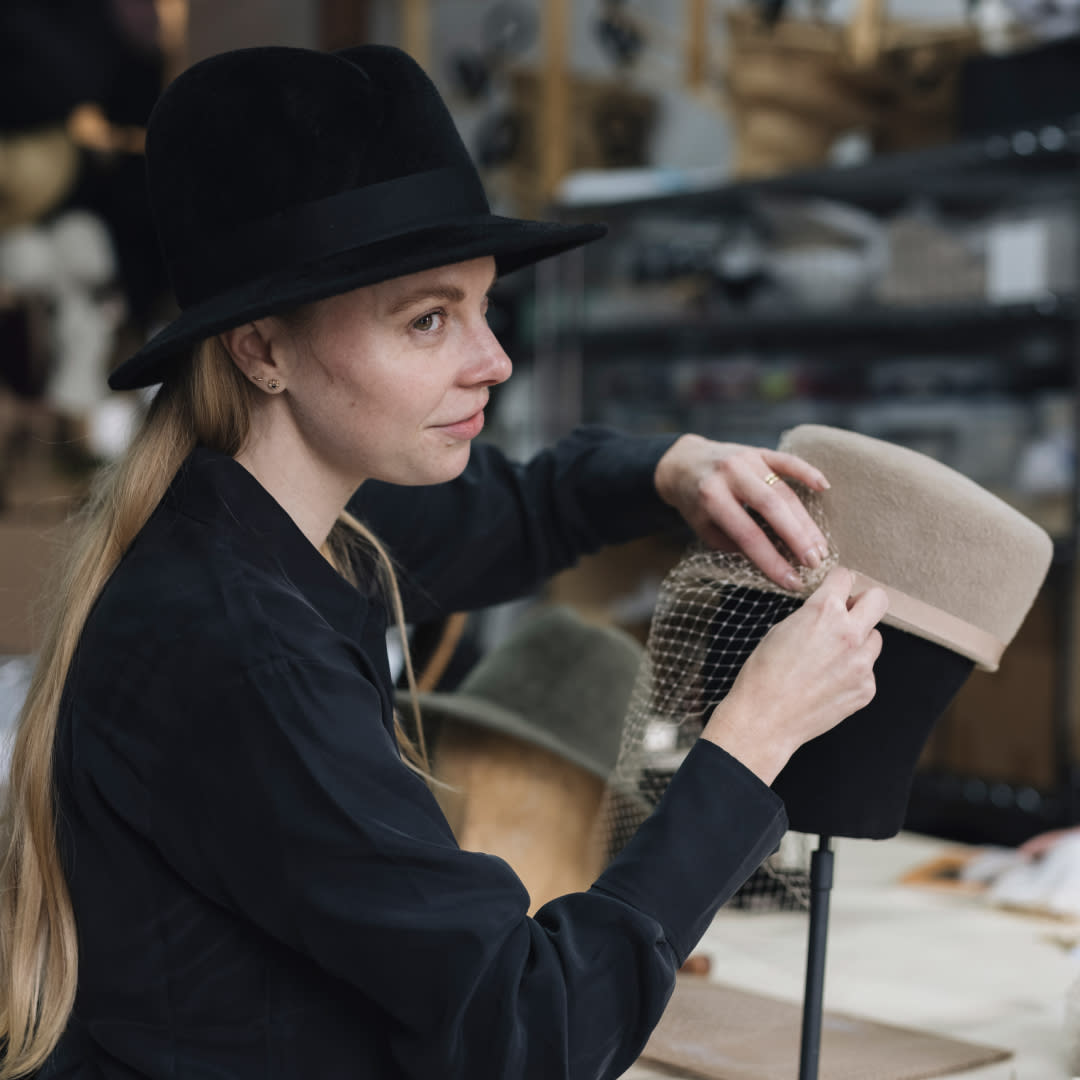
<point x="347" y="380"/>
<point x="399" y="385"/>
<point x="382" y="401"/>
<point x="370" y="379"/>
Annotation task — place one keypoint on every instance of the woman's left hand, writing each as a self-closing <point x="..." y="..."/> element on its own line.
<point x="712" y="484"/>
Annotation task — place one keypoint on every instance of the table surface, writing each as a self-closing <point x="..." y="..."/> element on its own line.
<point x="916" y="957"/>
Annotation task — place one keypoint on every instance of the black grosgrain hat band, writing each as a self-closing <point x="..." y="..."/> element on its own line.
<point x="329" y="226"/>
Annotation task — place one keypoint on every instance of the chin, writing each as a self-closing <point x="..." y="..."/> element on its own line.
<point x="454" y="465"/>
<point x="442" y="470"/>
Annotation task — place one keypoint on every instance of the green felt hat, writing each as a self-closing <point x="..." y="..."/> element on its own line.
<point x="557" y="682"/>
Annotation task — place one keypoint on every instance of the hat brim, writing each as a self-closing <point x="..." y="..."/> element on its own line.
<point x="514" y="244"/>
<point x="463" y="708"/>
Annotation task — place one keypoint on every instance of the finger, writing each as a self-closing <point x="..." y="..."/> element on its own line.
<point x="753" y="542"/>
<point x="869" y="607"/>
<point x="794" y="467"/>
<point x="785" y="512"/>
<point x="835" y="587"/>
<point x="874" y="643"/>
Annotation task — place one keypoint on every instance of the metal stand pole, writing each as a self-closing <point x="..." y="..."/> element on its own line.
<point x="821" y="876"/>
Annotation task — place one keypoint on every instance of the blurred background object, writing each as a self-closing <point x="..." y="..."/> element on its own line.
<point x="80" y="274"/>
<point x="797" y="85"/>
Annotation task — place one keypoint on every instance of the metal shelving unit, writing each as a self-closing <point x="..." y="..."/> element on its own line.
<point x="892" y="328"/>
<point x="1024" y="347"/>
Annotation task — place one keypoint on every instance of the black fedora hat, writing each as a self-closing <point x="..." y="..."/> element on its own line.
<point x="279" y="176"/>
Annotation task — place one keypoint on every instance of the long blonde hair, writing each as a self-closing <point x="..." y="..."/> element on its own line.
<point x="208" y="402"/>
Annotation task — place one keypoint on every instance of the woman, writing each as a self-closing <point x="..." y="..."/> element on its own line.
<point x="242" y="870"/>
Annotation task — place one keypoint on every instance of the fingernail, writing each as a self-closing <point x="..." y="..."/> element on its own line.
<point x="823" y="551"/>
<point x="812" y="558"/>
<point x="825" y="485"/>
<point x="792" y="580"/>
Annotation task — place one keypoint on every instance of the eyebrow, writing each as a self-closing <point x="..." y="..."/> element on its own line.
<point x="452" y="294"/>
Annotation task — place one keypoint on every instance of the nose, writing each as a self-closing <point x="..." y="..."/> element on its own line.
<point x="488" y="363"/>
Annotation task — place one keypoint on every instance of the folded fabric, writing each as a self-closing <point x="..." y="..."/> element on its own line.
<point x="1048" y="884"/>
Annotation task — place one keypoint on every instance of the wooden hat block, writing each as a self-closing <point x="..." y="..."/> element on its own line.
<point x="528" y="805"/>
<point x="523" y="747"/>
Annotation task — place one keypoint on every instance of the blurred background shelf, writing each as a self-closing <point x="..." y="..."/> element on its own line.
<point x="972" y="172"/>
<point x="890" y="329"/>
<point x="929" y="298"/>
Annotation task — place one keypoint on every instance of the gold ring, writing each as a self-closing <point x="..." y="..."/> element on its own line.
<point x="772" y="478"/>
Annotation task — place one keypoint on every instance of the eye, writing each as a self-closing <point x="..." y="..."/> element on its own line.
<point x="430" y="322"/>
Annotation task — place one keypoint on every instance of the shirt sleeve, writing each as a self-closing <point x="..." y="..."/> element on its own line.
<point x="304" y="820"/>
<point x="501" y="528"/>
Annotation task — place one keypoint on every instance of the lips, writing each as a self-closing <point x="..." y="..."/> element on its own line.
<point x="467" y="428"/>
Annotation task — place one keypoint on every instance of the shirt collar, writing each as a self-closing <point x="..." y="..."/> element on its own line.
<point x="214" y="488"/>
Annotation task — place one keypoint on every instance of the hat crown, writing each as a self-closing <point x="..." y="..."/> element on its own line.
<point x="247" y="135"/>
<point x="924" y="529"/>
<point x="557" y="681"/>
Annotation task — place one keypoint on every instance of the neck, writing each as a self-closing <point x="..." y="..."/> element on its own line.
<point x="312" y="496"/>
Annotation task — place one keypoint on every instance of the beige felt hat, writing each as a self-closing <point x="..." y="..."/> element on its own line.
<point x="889" y="507"/>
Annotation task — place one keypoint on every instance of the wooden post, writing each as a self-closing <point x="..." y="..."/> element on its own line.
<point x="343" y="23"/>
<point x="172" y="36"/>
<point x="416" y="31"/>
<point x="530" y="806"/>
<point x="865" y="32"/>
<point x="214" y="27"/>
<point x="697" y="43"/>
<point x="554" y="126"/>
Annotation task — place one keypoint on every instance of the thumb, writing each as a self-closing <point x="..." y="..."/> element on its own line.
<point x="835" y="586"/>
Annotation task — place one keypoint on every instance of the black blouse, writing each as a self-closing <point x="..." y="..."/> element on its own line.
<point x="263" y="889"/>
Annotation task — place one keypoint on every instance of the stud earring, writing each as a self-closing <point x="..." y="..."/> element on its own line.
<point x="273" y="384"/>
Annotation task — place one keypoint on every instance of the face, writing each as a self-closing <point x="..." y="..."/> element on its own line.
<point x="390" y="381"/>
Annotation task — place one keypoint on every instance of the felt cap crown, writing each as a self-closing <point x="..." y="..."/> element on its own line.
<point x="279" y="176"/>
<point x="557" y="682"/>
<point x="971" y="563"/>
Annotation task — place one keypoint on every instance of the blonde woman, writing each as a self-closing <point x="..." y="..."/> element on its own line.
<point x="225" y="860"/>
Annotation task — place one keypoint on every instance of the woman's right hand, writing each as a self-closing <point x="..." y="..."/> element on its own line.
<point x="808" y="673"/>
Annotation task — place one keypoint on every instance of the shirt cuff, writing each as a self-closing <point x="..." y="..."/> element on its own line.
<point x="714" y="825"/>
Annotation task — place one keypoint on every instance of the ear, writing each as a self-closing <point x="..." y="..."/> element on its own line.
<point x="255" y="349"/>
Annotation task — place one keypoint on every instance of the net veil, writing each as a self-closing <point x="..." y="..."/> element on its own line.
<point x="712" y="610"/>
